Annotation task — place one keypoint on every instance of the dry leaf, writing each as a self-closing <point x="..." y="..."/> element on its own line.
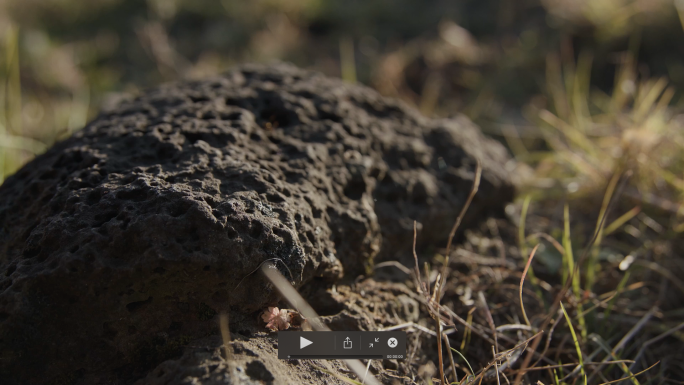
<point x="275" y="318"/>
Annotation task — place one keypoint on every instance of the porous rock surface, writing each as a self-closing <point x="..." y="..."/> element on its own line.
<point x="253" y="362"/>
<point x="122" y="242"/>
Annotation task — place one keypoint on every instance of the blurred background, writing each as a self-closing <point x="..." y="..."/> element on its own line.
<point x="577" y="89"/>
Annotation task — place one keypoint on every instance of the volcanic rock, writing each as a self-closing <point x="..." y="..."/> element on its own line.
<point x="120" y="244"/>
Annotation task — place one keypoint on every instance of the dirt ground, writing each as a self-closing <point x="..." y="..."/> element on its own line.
<point x="484" y="263"/>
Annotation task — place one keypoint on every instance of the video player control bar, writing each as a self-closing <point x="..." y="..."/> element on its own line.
<point x="341" y="345"/>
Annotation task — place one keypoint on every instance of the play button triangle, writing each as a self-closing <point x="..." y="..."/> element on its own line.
<point x="303" y="342"/>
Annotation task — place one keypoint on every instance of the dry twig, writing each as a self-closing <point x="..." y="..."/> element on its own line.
<point x="299" y="303"/>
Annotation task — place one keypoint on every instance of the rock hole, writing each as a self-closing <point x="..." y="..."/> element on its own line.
<point x="94" y="197"/>
<point x="329" y="115"/>
<point x="293" y="176"/>
<point x="233" y="116"/>
<point x="231" y="233"/>
<point x="355" y="189"/>
<point x="179" y="208"/>
<point x="256" y="230"/>
<point x="10" y="269"/>
<point x="103" y="231"/>
<point x="311" y="237"/>
<point x="5" y="285"/>
<point x="129" y="179"/>
<point x="220" y="296"/>
<point x="31" y="252"/>
<point x="258" y="371"/>
<point x="46" y="199"/>
<point x="205" y="312"/>
<point x="192" y="137"/>
<point x="108" y="332"/>
<point x="199" y="99"/>
<point x="277" y="117"/>
<point x="232" y="102"/>
<point x="283" y="233"/>
<point x="323" y="301"/>
<point x="101" y="219"/>
<point x="28" y="231"/>
<point x="136" y="306"/>
<point x="48" y="175"/>
<point x="166" y="151"/>
<point x="211" y="202"/>
<point x="275" y="198"/>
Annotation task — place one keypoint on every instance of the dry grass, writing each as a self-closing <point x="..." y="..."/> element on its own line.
<point x="433" y="297"/>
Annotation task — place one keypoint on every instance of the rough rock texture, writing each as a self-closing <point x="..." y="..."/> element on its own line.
<point x="370" y="305"/>
<point x="121" y="243"/>
<point x="254" y="362"/>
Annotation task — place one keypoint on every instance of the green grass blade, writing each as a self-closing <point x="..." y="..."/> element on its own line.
<point x="347" y="61"/>
<point x="591" y="266"/>
<point x="576" y="341"/>
<point x="464" y="359"/>
<point x="522" y="243"/>
<point x="570" y="265"/>
<point x="611" y="303"/>
<point x="624" y="218"/>
<point x="568" y="260"/>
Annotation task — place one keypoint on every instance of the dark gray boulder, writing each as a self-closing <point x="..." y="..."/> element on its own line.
<point x="121" y="243"/>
